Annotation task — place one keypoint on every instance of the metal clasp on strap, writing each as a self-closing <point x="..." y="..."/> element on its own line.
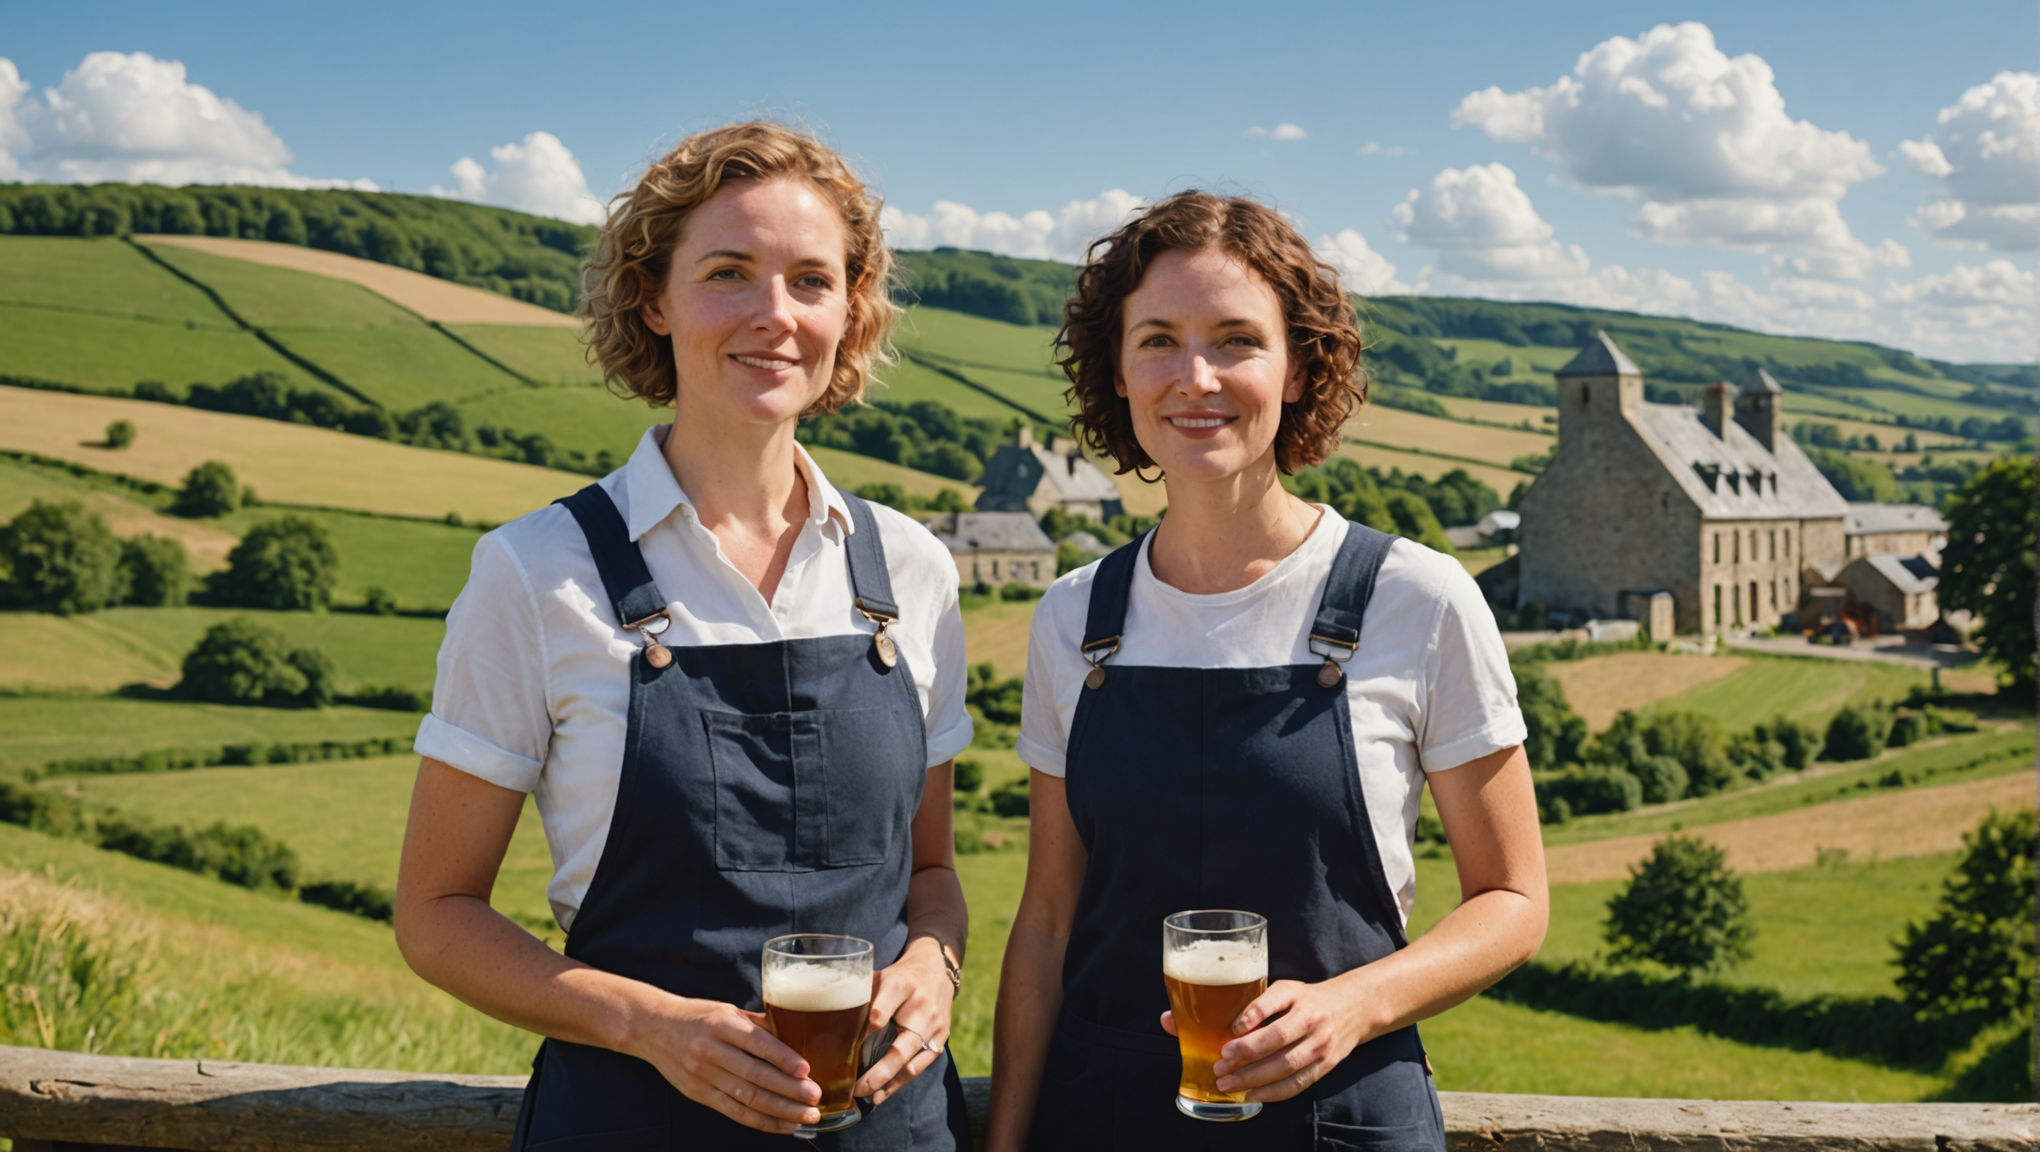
<point x="1337" y="646"/>
<point x="881" y="615"/>
<point x="1097" y="652"/>
<point x="651" y="628"/>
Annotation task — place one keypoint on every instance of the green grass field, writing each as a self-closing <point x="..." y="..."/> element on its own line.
<point x="35" y="730"/>
<point x="102" y="277"/>
<point x="112" y="353"/>
<point x="271" y="297"/>
<point x="1808" y="689"/>
<point x="422" y="563"/>
<point x="399" y="368"/>
<point x="907" y="382"/>
<point x="547" y="355"/>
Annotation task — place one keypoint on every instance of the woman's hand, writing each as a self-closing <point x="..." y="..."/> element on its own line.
<point x="726" y="1058"/>
<point x="916" y="994"/>
<point x="1289" y="1037"/>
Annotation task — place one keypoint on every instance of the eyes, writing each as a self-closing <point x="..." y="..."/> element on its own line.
<point x="1238" y="340"/>
<point x="812" y="281"/>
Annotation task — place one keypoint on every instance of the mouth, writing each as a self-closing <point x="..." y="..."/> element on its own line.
<point x="767" y="363"/>
<point x="1199" y="420"/>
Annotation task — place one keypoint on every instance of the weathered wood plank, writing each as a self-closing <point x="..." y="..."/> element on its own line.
<point x="205" y="1106"/>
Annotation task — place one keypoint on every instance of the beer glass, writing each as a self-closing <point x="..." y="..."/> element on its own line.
<point x="1215" y="964"/>
<point x="817" y="993"/>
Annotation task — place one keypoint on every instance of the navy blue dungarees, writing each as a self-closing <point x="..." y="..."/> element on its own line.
<point x="766" y="789"/>
<point x="1222" y="788"/>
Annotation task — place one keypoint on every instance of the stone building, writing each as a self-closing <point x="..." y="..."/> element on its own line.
<point x="996" y="548"/>
<point x="1026" y="477"/>
<point x="1898" y="589"/>
<point x="1895" y="530"/>
<point x="1716" y="506"/>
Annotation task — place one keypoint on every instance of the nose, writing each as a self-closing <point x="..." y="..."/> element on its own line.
<point x="1201" y="375"/>
<point x="775" y="307"/>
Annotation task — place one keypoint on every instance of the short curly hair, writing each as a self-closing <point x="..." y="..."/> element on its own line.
<point x="1324" y="330"/>
<point x="629" y="265"/>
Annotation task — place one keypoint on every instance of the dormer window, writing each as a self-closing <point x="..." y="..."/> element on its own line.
<point x="1710" y="474"/>
<point x="1756" y="483"/>
<point x="1734" y="481"/>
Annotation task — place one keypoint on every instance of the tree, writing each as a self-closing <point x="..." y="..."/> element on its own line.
<point x="1414" y="519"/>
<point x="241" y="662"/>
<point x="209" y="490"/>
<point x="60" y="558"/>
<point x="1556" y="732"/>
<point x="1856" y="733"/>
<point x="290" y="563"/>
<point x="120" y="434"/>
<point x="1975" y="953"/>
<point x="1987" y="567"/>
<point x="155" y="571"/>
<point x="1682" y="908"/>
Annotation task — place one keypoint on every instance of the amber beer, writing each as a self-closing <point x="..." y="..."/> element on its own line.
<point x="1215" y="963"/>
<point x="817" y="992"/>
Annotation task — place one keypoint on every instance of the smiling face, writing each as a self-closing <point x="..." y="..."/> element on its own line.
<point x="755" y="302"/>
<point x="1205" y="365"/>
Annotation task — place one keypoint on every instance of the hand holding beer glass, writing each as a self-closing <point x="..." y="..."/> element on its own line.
<point x="1215" y="964"/>
<point x="817" y="992"/>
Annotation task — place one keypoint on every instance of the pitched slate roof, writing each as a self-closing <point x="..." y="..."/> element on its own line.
<point x="1600" y="358"/>
<point x="1760" y="381"/>
<point x="1733" y="476"/>
<point x="968" y="532"/>
<point x="1868" y="519"/>
<point x="1014" y="473"/>
<point x="1911" y="575"/>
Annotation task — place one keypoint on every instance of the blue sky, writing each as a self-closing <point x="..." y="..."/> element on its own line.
<point x="1782" y="166"/>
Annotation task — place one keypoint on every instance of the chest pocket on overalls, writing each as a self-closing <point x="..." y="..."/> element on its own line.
<point x="802" y="791"/>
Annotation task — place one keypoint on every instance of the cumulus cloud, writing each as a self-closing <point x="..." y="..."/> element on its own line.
<point x="1362" y="268"/>
<point x="1701" y="139"/>
<point x="539" y="176"/>
<point x="1035" y="235"/>
<point x="1279" y="132"/>
<point x="1988" y="159"/>
<point x="1484" y="227"/>
<point x="1375" y="148"/>
<point x="132" y="117"/>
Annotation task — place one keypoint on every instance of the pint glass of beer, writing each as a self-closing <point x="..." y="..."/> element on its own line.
<point x="1215" y="964"/>
<point x="817" y="995"/>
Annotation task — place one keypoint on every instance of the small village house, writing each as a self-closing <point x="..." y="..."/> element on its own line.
<point x="1026" y="477"/>
<point x="996" y="548"/>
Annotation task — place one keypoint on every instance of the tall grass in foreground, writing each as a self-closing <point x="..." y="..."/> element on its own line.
<point x="86" y="972"/>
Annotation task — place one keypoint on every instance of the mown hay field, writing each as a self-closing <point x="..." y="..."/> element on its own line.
<point x="1414" y="431"/>
<point x="1498" y="478"/>
<point x="22" y="484"/>
<point x="1602" y="686"/>
<point x="1807" y="688"/>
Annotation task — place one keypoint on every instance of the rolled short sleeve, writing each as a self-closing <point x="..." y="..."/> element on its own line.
<point x="949" y="727"/>
<point x="1054" y="676"/>
<point x="491" y="714"/>
<point x="1470" y="706"/>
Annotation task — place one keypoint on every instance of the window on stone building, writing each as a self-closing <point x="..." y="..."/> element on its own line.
<point x="1736" y="544"/>
<point x="1717" y="560"/>
<point x="1788" y="543"/>
<point x="1753" y="545"/>
<point x="1735" y="602"/>
<point x="1717" y="607"/>
<point x="1774" y="595"/>
<point x="1774" y="546"/>
<point x="1753" y="602"/>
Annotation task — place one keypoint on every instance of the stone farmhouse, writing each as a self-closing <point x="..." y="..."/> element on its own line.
<point x="1026" y="477"/>
<point x="996" y="548"/>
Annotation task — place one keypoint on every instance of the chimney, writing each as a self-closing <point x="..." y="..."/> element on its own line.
<point x="1717" y="409"/>
<point x="1026" y="439"/>
<point x="1758" y="410"/>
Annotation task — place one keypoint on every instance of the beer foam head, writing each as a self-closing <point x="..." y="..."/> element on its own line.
<point x="816" y="988"/>
<point x="1216" y="962"/>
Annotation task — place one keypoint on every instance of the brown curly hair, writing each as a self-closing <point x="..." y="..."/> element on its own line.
<point x="630" y="262"/>
<point x="1324" y="331"/>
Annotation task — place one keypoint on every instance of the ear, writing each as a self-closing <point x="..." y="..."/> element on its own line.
<point x="1292" y="389"/>
<point x="1119" y="385"/>
<point x="653" y="313"/>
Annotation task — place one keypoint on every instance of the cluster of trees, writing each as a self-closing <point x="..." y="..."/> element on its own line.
<point x="1988" y="565"/>
<point x="435" y="425"/>
<point x="1860" y="731"/>
<point x="530" y="258"/>
<point x="58" y="557"/>
<point x="1003" y="288"/>
<point x="1814" y="434"/>
<point x="1399" y="360"/>
<point x="239" y="661"/>
<point x="923" y="435"/>
<point x="1405" y="504"/>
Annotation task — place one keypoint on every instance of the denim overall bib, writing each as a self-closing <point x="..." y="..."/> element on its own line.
<point x="766" y="789"/>
<point x="1223" y="788"/>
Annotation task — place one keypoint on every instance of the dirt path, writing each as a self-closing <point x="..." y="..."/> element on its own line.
<point x="1911" y="822"/>
<point x="434" y="299"/>
<point x="1602" y="686"/>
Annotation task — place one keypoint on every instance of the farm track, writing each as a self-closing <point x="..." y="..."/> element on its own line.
<point x="1910" y="822"/>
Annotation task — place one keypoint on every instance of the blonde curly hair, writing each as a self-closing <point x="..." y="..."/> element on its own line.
<point x="630" y="262"/>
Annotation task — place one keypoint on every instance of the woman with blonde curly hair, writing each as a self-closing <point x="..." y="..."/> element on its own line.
<point x="734" y="690"/>
<point x="1240" y="711"/>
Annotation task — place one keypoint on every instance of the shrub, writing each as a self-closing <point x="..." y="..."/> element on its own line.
<point x="970" y="776"/>
<point x="1663" y="779"/>
<point x="1908" y="728"/>
<point x="1798" y="741"/>
<point x="317" y="668"/>
<point x="120" y="434"/>
<point x="378" y="601"/>
<point x="1691" y="738"/>
<point x="1017" y="591"/>
<point x="240" y="661"/>
<point x="155" y="571"/>
<point x="1010" y="798"/>
<point x="287" y="563"/>
<point x="996" y="700"/>
<point x="365" y="900"/>
<point x="1976" y="953"/>
<point x="890" y="495"/>
<point x="1556" y="732"/>
<point x="392" y="699"/>
<point x="60" y="558"/>
<point x="239" y="854"/>
<point x="1856" y="733"/>
<point x="1587" y="791"/>
<point x="1682" y="908"/>
<point x="209" y="490"/>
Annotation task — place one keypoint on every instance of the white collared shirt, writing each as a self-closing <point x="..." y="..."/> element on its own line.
<point x="533" y="690"/>
<point x="1428" y="690"/>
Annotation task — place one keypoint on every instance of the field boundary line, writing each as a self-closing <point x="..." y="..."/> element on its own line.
<point x="137" y="317"/>
<point x="960" y="378"/>
<point x="1437" y="455"/>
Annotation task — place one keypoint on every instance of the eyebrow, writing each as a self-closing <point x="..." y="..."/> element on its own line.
<point x="748" y="258"/>
<point x="1236" y="322"/>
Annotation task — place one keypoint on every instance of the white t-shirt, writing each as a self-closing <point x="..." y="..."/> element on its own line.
<point x="533" y="691"/>
<point x="1429" y="689"/>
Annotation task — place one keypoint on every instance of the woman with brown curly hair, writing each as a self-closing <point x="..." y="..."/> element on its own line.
<point x="734" y="691"/>
<point x="1240" y="710"/>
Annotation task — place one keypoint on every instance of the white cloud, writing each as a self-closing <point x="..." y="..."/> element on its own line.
<point x="1362" y="268"/>
<point x="1375" y="148"/>
<point x="539" y="176"/>
<point x="1702" y="139"/>
<point x="1484" y="227"/>
<point x="1279" y="132"/>
<point x="1035" y="235"/>
<point x="133" y="117"/>
<point x="1988" y="157"/>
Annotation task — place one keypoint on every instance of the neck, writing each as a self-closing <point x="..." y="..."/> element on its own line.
<point x="739" y="475"/>
<point x="1225" y="533"/>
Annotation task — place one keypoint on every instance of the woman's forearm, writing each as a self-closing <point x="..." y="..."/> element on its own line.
<point x="1030" y="998"/>
<point x="936" y="910"/>
<point x="1481" y="941"/>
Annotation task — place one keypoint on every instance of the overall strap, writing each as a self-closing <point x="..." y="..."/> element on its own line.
<point x="1105" y="620"/>
<point x="624" y="575"/>
<point x="1335" y="633"/>
<point x="870" y="583"/>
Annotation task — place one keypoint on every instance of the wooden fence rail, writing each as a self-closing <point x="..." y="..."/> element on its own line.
<point x="51" y="1101"/>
